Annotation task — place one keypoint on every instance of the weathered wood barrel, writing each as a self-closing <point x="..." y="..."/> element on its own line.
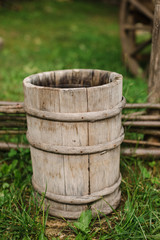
<point x="75" y="132"/>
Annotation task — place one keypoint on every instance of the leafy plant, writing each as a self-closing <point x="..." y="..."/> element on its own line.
<point x="81" y="227"/>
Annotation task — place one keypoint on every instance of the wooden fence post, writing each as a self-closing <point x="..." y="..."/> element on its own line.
<point x="1" y="42"/>
<point x="154" y="71"/>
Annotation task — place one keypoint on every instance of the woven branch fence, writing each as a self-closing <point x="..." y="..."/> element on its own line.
<point x="135" y="120"/>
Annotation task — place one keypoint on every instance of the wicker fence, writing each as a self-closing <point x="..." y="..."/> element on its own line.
<point x="135" y="121"/>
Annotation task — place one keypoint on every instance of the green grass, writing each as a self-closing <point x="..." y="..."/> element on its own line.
<point x="60" y="35"/>
<point x="20" y="214"/>
<point x="137" y="217"/>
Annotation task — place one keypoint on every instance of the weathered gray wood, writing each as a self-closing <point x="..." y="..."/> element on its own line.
<point x="141" y="152"/>
<point x="142" y="123"/>
<point x="68" y="173"/>
<point x="12" y="124"/>
<point x="12" y="132"/>
<point x="146" y="131"/>
<point x="59" y="133"/>
<point x="74" y="134"/>
<point x="4" y="103"/>
<point x="6" y="146"/>
<point x="17" y="118"/>
<point x="48" y="168"/>
<point x="12" y="110"/>
<point x="154" y="71"/>
<point x="139" y="142"/>
<point x="142" y="105"/>
<point x="143" y="117"/>
<point x="127" y="106"/>
<point x="104" y="168"/>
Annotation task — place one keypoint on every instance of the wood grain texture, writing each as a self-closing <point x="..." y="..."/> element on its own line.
<point x="154" y="71"/>
<point x="141" y="116"/>
<point x="74" y="134"/>
<point x="77" y="200"/>
<point x="127" y="106"/>
<point x="142" y="152"/>
<point x="104" y="168"/>
<point x="6" y="146"/>
<point x="154" y="68"/>
<point x="65" y="174"/>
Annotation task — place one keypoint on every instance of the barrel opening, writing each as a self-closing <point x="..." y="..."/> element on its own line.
<point x="73" y="78"/>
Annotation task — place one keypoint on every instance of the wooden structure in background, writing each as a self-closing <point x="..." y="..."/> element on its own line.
<point x="136" y="21"/>
<point x="1" y="43"/>
<point x="140" y="124"/>
<point x="13" y="123"/>
<point x="154" y="73"/>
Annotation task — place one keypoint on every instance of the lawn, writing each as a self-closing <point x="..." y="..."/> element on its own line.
<point x="61" y="35"/>
<point x="49" y="35"/>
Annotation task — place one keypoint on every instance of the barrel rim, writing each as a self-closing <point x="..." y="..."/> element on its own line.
<point x="115" y="78"/>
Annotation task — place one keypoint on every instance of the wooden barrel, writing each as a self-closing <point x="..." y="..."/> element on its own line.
<point x="75" y="132"/>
